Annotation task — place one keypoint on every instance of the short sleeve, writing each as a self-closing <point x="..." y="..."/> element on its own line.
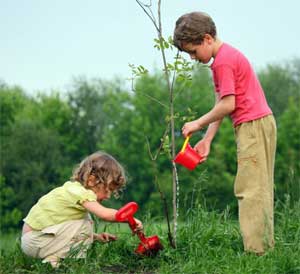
<point x="78" y="194"/>
<point x="224" y="80"/>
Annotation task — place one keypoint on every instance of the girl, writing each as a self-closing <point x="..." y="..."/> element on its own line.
<point x="60" y="220"/>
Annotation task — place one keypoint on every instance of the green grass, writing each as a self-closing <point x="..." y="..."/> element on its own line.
<point x="207" y="242"/>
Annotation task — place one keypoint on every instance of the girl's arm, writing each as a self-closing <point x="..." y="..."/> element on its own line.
<point x="104" y="237"/>
<point x="105" y="213"/>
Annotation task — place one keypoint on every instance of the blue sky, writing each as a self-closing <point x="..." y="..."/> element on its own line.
<point x="44" y="44"/>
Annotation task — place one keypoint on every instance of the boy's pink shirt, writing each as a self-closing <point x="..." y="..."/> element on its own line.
<point x="233" y="75"/>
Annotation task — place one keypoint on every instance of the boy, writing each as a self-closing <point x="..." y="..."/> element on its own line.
<point x="240" y="95"/>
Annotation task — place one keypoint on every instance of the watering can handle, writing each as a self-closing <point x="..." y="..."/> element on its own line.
<point x="185" y="143"/>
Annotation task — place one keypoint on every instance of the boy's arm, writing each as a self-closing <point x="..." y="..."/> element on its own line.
<point x="212" y="130"/>
<point x="214" y="117"/>
<point x="203" y="146"/>
<point x="214" y="126"/>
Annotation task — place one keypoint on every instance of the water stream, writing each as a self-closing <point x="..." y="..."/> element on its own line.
<point x="177" y="203"/>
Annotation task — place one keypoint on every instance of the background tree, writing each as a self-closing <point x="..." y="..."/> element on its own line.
<point x="287" y="168"/>
<point x="44" y="136"/>
<point x="280" y="82"/>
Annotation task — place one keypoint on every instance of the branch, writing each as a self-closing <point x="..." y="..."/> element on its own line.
<point x="165" y="206"/>
<point x="152" y="17"/>
<point x="150" y="97"/>
<point x="161" y="144"/>
<point x="174" y="74"/>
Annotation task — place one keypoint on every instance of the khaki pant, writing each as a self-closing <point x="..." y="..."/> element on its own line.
<point x="71" y="238"/>
<point x="254" y="183"/>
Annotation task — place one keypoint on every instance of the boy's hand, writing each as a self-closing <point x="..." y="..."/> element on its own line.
<point x="203" y="149"/>
<point x="190" y="127"/>
<point x="105" y="237"/>
<point x="139" y="225"/>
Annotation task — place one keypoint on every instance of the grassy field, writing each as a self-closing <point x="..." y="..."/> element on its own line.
<point x="207" y="242"/>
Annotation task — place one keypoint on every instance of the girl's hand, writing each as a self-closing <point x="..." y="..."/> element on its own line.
<point x="105" y="237"/>
<point x="139" y="225"/>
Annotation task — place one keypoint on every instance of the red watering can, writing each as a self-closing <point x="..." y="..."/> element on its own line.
<point x="187" y="156"/>
<point x="148" y="245"/>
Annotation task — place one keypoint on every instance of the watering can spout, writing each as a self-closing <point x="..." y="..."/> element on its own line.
<point x="148" y="245"/>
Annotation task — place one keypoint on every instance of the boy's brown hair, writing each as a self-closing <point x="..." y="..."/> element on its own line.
<point x="105" y="168"/>
<point x="192" y="27"/>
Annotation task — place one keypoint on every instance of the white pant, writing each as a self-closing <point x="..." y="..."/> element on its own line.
<point x="71" y="238"/>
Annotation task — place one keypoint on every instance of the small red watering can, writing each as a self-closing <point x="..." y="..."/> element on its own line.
<point x="148" y="245"/>
<point x="187" y="156"/>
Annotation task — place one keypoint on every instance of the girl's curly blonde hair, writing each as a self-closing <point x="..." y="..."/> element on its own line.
<point x="107" y="170"/>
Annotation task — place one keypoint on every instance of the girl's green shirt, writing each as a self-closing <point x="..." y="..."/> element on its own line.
<point x="59" y="205"/>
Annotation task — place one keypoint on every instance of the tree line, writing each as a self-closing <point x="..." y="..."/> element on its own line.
<point x="44" y="136"/>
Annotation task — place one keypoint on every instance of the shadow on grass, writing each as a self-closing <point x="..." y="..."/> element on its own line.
<point x="123" y="269"/>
